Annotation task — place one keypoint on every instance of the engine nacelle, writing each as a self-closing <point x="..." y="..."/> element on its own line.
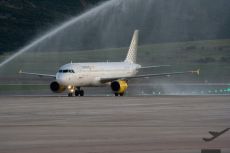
<point x="56" y="87"/>
<point x="119" y="86"/>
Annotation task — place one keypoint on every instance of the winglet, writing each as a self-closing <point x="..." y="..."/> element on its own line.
<point x="196" y="72"/>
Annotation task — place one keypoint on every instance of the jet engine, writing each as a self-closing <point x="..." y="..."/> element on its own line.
<point x="119" y="86"/>
<point x="56" y="87"/>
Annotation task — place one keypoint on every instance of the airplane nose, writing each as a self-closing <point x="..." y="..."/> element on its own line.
<point x="62" y="79"/>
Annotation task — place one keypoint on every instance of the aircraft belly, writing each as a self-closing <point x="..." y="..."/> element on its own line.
<point x="87" y="81"/>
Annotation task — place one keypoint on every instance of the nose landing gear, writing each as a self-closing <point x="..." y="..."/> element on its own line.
<point x="119" y="94"/>
<point x="77" y="92"/>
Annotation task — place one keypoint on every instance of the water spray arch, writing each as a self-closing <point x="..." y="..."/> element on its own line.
<point x="53" y="32"/>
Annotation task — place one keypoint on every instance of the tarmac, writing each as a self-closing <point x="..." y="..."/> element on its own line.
<point x="158" y="124"/>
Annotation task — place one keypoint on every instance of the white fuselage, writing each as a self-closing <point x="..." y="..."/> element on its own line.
<point x="90" y="74"/>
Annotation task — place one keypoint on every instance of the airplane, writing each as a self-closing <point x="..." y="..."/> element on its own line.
<point x="215" y="134"/>
<point x="73" y="76"/>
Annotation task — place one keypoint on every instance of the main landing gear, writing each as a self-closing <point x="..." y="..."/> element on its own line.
<point x="77" y="92"/>
<point x="119" y="94"/>
<point x="70" y="94"/>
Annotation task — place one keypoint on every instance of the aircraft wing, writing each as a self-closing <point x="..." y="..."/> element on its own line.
<point x="155" y="66"/>
<point x="213" y="133"/>
<point x="37" y="74"/>
<point x="105" y="80"/>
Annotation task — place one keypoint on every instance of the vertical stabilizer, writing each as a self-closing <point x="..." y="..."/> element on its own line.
<point x="132" y="53"/>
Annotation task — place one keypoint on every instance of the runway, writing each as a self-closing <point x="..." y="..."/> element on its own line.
<point x="164" y="124"/>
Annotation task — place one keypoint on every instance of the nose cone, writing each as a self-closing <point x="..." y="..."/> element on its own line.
<point x="63" y="79"/>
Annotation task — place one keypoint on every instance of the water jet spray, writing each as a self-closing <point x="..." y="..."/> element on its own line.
<point x="55" y="31"/>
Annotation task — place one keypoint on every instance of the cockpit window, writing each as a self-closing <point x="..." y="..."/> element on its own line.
<point x="66" y="71"/>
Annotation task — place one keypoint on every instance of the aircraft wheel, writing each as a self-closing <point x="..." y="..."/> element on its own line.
<point x="76" y="93"/>
<point x="122" y="94"/>
<point x="70" y="94"/>
<point x="81" y="92"/>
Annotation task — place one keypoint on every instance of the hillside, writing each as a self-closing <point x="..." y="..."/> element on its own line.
<point x="22" y="20"/>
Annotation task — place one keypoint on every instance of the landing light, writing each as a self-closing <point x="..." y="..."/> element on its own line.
<point x="69" y="87"/>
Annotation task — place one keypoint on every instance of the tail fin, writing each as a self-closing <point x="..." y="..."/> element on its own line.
<point x="132" y="53"/>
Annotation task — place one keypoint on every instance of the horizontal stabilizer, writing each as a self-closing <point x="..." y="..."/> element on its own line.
<point x="213" y="133"/>
<point x="206" y="139"/>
